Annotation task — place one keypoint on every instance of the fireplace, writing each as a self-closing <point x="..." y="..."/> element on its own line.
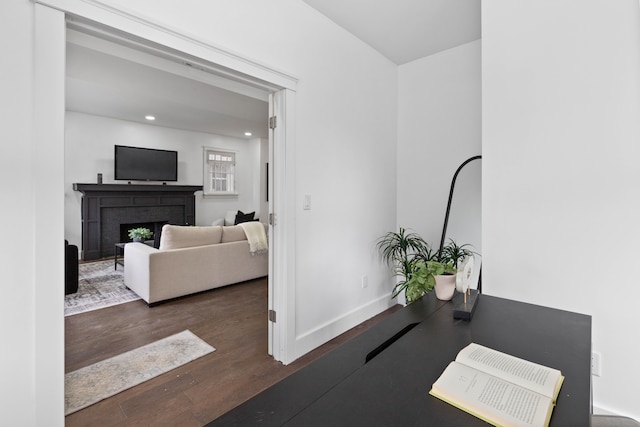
<point x="106" y="207"/>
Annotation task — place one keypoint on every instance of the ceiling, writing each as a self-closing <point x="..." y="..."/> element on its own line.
<point x="406" y="30"/>
<point x="108" y="79"/>
<point x="111" y="79"/>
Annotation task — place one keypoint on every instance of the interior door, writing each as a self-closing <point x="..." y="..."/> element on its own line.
<point x="273" y="336"/>
<point x="281" y="227"/>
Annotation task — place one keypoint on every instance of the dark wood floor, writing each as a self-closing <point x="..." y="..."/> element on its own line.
<point x="232" y="319"/>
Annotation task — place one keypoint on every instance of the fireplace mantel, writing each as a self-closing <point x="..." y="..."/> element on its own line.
<point x="106" y="206"/>
<point x="128" y="188"/>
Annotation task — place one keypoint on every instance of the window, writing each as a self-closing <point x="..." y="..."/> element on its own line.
<point x="219" y="172"/>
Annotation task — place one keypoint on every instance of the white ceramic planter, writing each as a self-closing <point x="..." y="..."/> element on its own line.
<point x="445" y="286"/>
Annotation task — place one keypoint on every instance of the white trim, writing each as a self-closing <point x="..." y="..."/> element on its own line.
<point x="327" y="331"/>
<point x="601" y="411"/>
<point x="286" y="187"/>
<point x="206" y="177"/>
<point x="48" y="199"/>
<point x="222" y="60"/>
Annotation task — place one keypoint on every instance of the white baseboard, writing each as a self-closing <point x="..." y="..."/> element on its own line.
<point x="312" y="339"/>
<point x="600" y="411"/>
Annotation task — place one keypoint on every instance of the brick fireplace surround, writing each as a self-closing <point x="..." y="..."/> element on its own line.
<point x="108" y="209"/>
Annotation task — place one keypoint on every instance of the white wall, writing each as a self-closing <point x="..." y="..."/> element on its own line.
<point x="439" y="126"/>
<point x="89" y="142"/>
<point x="17" y="180"/>
<point x="561" y="109"/>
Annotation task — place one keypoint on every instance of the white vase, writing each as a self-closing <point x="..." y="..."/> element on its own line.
<point x="445" y="286"/>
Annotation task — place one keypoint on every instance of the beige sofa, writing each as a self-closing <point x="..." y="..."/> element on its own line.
<point x="190" y="260"/>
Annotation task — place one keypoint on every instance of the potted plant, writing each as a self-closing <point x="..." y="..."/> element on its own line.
<point x="140" y="234"/>
<point x="420" y="268"/>
<point x="451" y="257"/>
<point x="423" y="279"/>
<point x="436" y="272"/>
<point x="407" y="252"/>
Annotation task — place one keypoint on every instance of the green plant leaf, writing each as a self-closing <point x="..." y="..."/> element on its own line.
<point x="453" y="253"/>
<point x="416" y="263"/>
<point x="140" y="233"/>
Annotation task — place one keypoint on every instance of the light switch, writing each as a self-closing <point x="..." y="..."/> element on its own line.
<point x="306" y="203"/>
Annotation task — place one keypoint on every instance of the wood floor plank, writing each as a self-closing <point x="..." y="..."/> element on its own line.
<point x="233" y="319"/>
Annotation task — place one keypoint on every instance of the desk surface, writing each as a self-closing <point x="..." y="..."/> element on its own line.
<point x="392" y="388"/>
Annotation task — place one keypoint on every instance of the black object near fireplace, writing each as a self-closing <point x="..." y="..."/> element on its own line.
<point x="106" y="206"/>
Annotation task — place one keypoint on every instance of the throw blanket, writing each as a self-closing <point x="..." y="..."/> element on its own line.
<point x="256" y="236"/>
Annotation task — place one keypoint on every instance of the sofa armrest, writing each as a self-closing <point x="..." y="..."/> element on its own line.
<point x="70" y="268"/>
<point x="137" y="268"/>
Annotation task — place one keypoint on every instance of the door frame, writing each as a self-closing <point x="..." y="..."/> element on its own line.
<point x="51" y="20"/>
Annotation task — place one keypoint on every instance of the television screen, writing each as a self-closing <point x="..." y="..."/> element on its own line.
<point x="145" y="164"/>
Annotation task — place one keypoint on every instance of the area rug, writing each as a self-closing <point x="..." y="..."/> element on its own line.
<point x="96" y="382"/>
<point x="99" y="286"/>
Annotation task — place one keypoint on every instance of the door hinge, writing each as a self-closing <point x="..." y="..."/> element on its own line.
<point x="272" y="316"/>
<point x="272" y="219"/>
<point x="273" y="122"/>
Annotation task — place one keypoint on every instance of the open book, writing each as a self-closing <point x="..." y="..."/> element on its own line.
<point x="500" y="389"/>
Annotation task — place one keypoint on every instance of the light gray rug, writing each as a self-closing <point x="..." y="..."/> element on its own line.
<point x="96" y="382"/>
<point x="99" y="286"/>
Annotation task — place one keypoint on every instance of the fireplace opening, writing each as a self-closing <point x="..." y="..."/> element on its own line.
<point x="155" y="227"/>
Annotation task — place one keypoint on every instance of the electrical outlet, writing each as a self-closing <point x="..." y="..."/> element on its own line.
<point x="364" y="281"/>
<point x="596" y="367"/>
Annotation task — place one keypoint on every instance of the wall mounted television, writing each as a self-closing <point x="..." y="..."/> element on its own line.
<point x="145" y="164"/>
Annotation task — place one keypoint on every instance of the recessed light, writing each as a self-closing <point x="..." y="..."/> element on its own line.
<point x="150" y="118"/>
<point x="247" y="134"/>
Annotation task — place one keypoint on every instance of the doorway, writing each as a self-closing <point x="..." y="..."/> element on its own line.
<point x="87" y="42"/>
<point x="49" y="56"/>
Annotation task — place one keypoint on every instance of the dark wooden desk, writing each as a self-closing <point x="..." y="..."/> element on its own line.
<point x="392" y="388"/>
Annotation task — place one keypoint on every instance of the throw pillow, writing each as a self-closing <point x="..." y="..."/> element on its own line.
<point x="230" y="217"/>
<point x="244" y="217"/>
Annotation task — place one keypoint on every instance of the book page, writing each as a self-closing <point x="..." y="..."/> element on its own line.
<point x="496" y="401"/>
<point x="535" y="377"/>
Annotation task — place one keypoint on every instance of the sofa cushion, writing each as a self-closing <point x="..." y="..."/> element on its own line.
<point x="232" y="233"/>
<point x="177" y="236"/>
